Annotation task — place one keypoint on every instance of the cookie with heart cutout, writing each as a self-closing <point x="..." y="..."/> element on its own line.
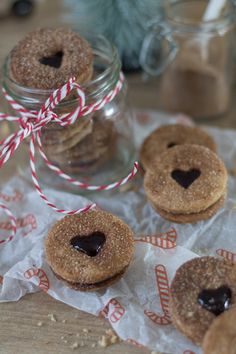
<point x="221" y="335"/>
<point x="47" y="57"/>
<point x="202" y="289"/>
<point x="168" y="136"/>
<point x="89" y="251"/>
<point x="186" y="184"/>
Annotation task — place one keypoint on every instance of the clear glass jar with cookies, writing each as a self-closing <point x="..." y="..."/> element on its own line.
<point x="98" y="148"/>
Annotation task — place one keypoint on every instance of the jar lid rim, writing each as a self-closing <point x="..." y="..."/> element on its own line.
<point x="46" y="92"/>
<point x="226" y="19"/>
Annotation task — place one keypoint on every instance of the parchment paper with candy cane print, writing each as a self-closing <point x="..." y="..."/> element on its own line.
<point x="137" y="306"/>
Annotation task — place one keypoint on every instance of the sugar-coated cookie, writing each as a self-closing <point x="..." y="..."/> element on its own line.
<point x="202" y="289"/>
<point x="47" y="57"/>
<point x="168" y="136"/>
<point x="221" y="336"/>
<point x="186" y="184"/>
<point x="89" y="251"/>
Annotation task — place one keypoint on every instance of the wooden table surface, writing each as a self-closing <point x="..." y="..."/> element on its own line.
<point x="19" y="321"/>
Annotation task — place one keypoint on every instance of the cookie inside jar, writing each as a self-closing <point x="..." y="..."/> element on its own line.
<point x="98" y="146"/>
<point x="81" y="148"/>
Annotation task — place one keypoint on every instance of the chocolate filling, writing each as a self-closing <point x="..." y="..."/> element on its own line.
<point x="185" y="178"/>
<point x="54" y="60"/>
<point x="91" y="244"/>
<point x="170" y="145"/>
<point x="215" y="300"/>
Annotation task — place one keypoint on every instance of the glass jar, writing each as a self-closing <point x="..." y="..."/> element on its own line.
<point x="97" y="148"/>
<point x="196" y="58"/>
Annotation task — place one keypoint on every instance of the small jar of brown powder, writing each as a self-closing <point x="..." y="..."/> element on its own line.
<point x="195" y="57"/>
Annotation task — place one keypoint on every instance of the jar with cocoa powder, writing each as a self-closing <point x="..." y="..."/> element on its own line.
<point x="99" y="147"/>
<point x="194" y="63"/>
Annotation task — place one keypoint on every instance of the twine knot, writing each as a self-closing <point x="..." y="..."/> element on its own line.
<point x="31" y="123"/>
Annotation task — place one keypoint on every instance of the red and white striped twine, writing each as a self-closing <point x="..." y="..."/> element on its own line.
<point x="12" y="221"/>
<point x="31" y="123"/>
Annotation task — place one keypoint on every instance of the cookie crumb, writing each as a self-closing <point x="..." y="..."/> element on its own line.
<point x="39" y="324"/>
<point x="114" y="339"/>
<point x="110" y="332"/>
<point x="63" y="321"/>
<point x="62" y="337"/>
<point x="74" y="345"/>
<point x="85" y="330"/>
<point x="52" y="317"/>
<point x="108" y="339"/>
<point x="103" y="342"/>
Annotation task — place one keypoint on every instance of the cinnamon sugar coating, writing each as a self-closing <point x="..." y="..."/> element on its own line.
<point x="27" y="69"/>
<point x="221" y="336"/>
<point x="167" y="194"/>
<point x="194" y="217"/>
<point x="86" y="150"/>
<point x="168" y="136"/>
<point x="190" y="279"/>
<point x="77" y="267"/>
<point x="94" y="286"/>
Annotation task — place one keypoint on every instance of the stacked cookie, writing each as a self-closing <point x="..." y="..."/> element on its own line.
<point x="43" y="61"/>
<point x="185" y="181"/>
<point x="202" y="301"/>
<point x="46" y="58"/>
<point x="82" y="147"/>
<point x="89" y="251"/>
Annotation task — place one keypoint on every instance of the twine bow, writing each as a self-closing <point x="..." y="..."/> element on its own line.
<point x="31" y="123"/>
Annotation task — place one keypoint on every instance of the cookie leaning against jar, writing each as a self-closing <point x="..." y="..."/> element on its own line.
<point x="89" y="251"/>
<point x="187" y="184"/>
<point x="167" y="136"/>
<point x="44" y="60"/>
<point x="202" y="289"/>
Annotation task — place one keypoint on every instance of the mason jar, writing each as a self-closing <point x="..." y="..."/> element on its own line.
<point x="98" y="148"/>
<point x="191" y="50"/>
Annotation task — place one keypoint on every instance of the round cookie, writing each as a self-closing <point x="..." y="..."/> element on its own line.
<point x="202" y="289"/>
<point x="46" y="58"/>
<point x="89" y="251"/>
<point x="194" y="217"/>
<point x="168" y="136"/>
<point x="89" y="153"/>
<point x="221" y="336"/>
<point x="59" y="141"/>
<point x="186" y="179"/>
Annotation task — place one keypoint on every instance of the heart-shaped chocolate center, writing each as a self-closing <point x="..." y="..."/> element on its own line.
<point x="215" y="300"/>
<point x="90" y="244"/>
<point x="54" y="60"/>
<point x="170" y="145"/>
<point x="185" y="178"/>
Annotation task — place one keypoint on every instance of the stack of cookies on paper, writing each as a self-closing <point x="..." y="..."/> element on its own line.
<point x="185" y="181"/>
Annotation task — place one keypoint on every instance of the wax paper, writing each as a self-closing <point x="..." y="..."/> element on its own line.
<point x="137" y="305"/>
